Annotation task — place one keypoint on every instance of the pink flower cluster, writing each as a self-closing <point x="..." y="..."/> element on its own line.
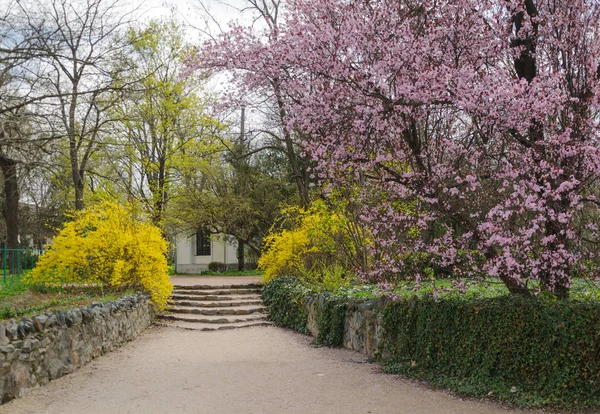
<point x="471" y="128"/>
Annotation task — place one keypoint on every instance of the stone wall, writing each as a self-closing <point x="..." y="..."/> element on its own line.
<point x="36" y="350"/>
<point x="362" y="325"/>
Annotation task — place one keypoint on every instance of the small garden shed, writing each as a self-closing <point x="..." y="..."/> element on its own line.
<point x="195" y="252"/>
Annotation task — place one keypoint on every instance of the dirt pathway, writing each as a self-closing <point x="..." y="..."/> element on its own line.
<point x="252" y="370"/>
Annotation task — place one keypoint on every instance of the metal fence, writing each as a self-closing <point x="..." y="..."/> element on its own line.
<point x="16" y="262"/>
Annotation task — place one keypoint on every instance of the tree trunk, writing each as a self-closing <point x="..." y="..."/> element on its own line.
<point x="11" y="205"/>
<point x="298" y="176"/>
<point x="78" y="192"/>
<point x="240" y="255"/>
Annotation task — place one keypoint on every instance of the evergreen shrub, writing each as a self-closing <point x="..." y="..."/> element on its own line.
<point x="284" y="300"/>
<point x="218" y="267"/>
<point x="331" y="319"/>
<point x="529" y="352"/>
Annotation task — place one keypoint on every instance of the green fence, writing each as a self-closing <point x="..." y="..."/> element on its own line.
<point x="16" y="262"/>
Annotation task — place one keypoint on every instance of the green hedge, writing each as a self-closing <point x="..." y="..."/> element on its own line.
<point x="528" y="352"/>
<point x="284" y="300"/>
<point x="332" y="314"/>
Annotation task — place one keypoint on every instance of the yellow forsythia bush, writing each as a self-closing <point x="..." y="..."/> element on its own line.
<point x="107" y="245"/>
<point x="312" y="243"/>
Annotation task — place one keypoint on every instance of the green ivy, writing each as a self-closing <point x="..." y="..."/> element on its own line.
<point x="528" y="352"/>
<point x="284" y="299"/>
<point x="331" y="321"/>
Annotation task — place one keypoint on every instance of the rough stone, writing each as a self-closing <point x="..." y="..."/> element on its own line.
<point x="69" y="318"/>
<point x="7" y="349"/>
<point x="39" y="322"/>
<point x="21" y="330"/>
<point x="61" y="317"/>
<point x="86" y="316"/>
<point x="362" y="324"/>
<point x="77" y="317"/>
<point x="13" y="355"/>
<point x="3" y="338"/>
<point x="27" y="345"/>
<point x="56" y="368"/>
<point x="28" y="324"/>
<point x="11" y="332"/>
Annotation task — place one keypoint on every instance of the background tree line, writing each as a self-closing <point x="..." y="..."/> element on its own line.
<point x="94" y="106"/>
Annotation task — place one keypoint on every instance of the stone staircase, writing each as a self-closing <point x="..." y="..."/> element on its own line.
<point x="214" y="308"/>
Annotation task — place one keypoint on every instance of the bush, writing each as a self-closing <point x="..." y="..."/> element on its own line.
<point x="311" y="244"/>
<point x="107" y="245"/>
<point x="529" y="352"/>
<point x="218" y="267"/>
<point x="285" y="299"/>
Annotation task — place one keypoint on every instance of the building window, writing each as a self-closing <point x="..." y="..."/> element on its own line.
<point x="202" y="243"/>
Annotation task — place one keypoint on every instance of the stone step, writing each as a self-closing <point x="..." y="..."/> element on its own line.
<point x="214" y="319"/>
<point x="226" y="292"/>
<point x="189" y="326"/>
<point x="218" y="287"/>
<point x="217" y="298"/>
<point x="242" y="310"/>
<point x="225" y="304"/>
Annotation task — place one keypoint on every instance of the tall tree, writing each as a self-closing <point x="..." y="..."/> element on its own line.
<point x="227" y="54"/>
<point x="20" y="46"/>
<point x="80" y="42"/>
<point x="475" y="144"/>
<point x="239" y="197"/>
<point x="163" y="120"/>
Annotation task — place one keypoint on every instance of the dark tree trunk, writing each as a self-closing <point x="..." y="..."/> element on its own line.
<point x="240" y="255"/>
<point x="525" y="64"/>
<point x="297" y="172"/>
<point x="11" y="200"/>
<point x="79" y="193"/>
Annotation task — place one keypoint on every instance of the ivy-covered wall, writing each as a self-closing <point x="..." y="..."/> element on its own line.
<point x="527" y="352"/>
<point x="332" y="320"/>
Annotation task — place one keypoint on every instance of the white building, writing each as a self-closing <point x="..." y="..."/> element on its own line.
<point x="194" y="253"/>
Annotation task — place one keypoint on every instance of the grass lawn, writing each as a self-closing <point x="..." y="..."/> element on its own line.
<point x="583" y="289"/>
<point x="18" y="300"/>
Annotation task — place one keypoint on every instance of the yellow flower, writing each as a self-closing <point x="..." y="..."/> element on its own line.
<point x="108" y="245"/>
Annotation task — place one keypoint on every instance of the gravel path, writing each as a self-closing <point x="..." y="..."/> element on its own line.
<point x="252" y="370"/>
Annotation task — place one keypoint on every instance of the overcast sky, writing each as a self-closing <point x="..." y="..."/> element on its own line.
<point x="205" y="17"/>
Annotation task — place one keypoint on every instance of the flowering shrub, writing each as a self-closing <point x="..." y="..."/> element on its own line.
<point x="107" y="245"/>
<point x="312" y="244"/>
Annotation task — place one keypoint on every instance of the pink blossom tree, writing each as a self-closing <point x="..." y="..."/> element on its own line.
<point x="470" y="128"/>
